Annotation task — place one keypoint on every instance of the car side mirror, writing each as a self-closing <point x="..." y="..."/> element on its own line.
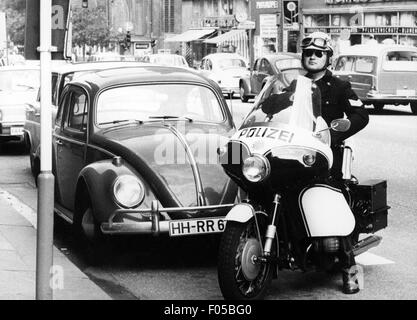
<point x="340" y="125"/>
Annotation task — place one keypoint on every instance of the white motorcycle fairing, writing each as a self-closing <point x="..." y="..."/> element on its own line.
<point x="241" y="212"/>
<point x="325" y="212"/>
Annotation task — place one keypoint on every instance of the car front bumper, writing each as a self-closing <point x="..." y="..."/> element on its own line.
<point x="155" y="225"/>
<point x="389" y="98"/>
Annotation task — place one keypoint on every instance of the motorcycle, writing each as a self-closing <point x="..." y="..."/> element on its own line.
<point x="291" y="216"/>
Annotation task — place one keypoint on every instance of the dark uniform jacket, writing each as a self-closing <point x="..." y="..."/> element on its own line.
<point x="337" y="99"/>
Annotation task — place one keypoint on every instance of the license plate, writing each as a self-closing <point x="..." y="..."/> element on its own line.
<point x="406" y="93"/>
<point x="196" y="226"/>
<point x="16" y="130"/>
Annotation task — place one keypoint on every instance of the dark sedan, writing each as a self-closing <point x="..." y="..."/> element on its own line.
<point x="286" y="66"/>
<point x="135" y="152"/>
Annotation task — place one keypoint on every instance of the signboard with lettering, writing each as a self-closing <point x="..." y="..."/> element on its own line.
<point x="268" y="25"/>
<point x="267" y="5"/>
<point x="373" y="30"/>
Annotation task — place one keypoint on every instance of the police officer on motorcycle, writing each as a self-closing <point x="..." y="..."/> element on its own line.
<point x="337" y="99"/>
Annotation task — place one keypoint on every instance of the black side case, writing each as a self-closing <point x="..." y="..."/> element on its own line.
<point x="369" y="205"/>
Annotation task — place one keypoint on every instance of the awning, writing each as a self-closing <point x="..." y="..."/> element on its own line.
<point x="190" y="35"/>
<point x="238" y="38"/>
<point x="233" y="35"/>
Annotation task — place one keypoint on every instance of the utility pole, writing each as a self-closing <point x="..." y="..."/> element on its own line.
<point x="45" y="224"/>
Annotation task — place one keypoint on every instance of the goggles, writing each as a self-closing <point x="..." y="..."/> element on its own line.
<point x="317" y="42"/>
<point x="309" y="52"/>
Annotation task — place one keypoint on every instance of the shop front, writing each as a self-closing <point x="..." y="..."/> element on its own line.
<point x="351" y="22"/>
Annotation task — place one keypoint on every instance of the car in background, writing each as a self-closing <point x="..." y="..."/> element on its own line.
<point x="285" y="66"/>
<point x="380" y="74"/>
<point x="226" y="69"/>
<point x="19" y="87"/>
<point x="166" y="59"/>
<point x="147" y="165"/>
<point x="61" y="74"/>
<point x="110" y="56"/>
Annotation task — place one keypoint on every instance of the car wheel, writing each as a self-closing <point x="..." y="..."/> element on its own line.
<point x="413" y="106"/>
<point x="91" y="240"/>
<point x="243" y="98"/>
<point x="26" y="143"/>
<point x="35" y="168"/>
<point x="379" y="106"/>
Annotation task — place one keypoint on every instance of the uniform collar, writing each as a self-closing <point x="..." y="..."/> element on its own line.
<point x="326" y="78"/>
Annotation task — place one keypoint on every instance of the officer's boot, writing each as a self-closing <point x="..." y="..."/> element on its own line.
<point x="349" y="268"/>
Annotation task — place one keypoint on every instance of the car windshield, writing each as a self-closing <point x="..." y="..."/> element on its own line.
<point x="289" y="75"/>
<point x="231" y="63"/>
<point x="161" y="101"/>
<point x="288" y="64"/>
<point x="301" y="108"/>
<point x="19" y="80"/>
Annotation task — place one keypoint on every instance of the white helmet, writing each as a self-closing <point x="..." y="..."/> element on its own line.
<point x="318" y="40"/>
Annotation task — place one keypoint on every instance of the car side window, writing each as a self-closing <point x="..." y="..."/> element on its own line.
<point x="256" y="66"/>
<point x="264" y="66"/>
<point x="203" y="64"/>
<point x="77" y="117"/>
<point x="209" y="65"/>
<point x="54" y="88"/>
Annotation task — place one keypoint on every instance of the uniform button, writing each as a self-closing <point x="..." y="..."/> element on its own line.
<point x="328" y="83"/>
<point x="327" y="102"/>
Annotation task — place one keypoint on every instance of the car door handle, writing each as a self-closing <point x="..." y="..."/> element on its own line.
<point x="59" y="142"/>
<point x="349" y="77"/>
<point x="37" y="114"/>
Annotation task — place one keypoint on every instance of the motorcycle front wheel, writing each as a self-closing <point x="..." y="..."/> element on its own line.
<point x="240" y="277"/>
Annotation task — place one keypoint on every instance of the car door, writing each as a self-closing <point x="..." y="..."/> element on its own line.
<point x="254" y="81"/>
<point x="70" y="138"/>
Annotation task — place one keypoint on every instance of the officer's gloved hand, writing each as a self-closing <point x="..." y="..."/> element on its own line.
<point x="277" y="102"/>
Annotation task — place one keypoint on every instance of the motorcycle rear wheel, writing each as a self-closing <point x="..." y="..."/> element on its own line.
<point x="239" y="277"/>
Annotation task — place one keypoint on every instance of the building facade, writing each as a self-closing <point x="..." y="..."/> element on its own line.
<point x="351" y="22"/>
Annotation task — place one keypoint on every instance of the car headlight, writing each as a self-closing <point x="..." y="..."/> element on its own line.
<point x="128" y="191"/>
<point x="256" y="168"/>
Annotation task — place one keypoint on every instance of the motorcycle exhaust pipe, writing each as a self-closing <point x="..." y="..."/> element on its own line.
<point x="347" y="163"/>
<point x="366" y="244"/>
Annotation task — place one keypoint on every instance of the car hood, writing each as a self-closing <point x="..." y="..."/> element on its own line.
<point x="158" y="153"/>
<point x="13" y="105"/>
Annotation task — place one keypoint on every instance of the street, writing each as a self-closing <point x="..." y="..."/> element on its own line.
<point x="184" y="269"/>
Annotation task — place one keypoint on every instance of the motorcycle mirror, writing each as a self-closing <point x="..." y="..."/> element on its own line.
<point x="341" y="125"/>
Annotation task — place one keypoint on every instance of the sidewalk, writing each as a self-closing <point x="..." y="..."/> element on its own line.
<point x="18" y="263"/>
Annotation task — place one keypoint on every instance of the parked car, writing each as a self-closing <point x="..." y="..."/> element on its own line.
<point x="61" y="73"/>
<point x="133" y="153"/>
<point x="226" y="69"/>
<point x="110" y="56"/>
<point x="166" y="59"/>
<point x="286" y="66"/>
<point x="381" y="74"/>
<point x="18" y="86"/>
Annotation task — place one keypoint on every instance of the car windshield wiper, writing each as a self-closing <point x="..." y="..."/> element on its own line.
<point x="121" y="121"/>
<point x="171" y="118"/>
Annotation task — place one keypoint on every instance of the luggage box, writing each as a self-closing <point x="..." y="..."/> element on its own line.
<point x="370" y="205"/>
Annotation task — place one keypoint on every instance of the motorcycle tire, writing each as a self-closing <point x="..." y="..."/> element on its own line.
<point x="234" y="284"/>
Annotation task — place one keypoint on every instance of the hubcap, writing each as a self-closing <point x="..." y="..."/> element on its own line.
<point x="250" y="268"/>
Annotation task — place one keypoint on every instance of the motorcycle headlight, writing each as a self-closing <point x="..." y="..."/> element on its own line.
<point x="256" y="168"/>
<point x="128" y="191"/>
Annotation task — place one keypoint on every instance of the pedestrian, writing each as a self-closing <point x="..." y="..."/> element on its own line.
<point x="337" y="99"/>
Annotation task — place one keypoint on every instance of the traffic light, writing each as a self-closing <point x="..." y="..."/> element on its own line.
<point x="128" y="39"/>
<point x="291" y="12"/>
<point x="85" y="4"/>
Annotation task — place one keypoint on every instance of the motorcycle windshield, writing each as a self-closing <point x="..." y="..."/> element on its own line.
<point x="296" y="107"/>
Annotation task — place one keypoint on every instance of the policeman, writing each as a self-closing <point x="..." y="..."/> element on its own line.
<point x="337" y="99"/>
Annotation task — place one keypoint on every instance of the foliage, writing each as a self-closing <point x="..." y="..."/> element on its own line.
<point x="90" y="26"/>
<point x="15" y="13"/>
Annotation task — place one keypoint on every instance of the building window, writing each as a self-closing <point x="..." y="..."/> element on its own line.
<point x="169" y="16"/>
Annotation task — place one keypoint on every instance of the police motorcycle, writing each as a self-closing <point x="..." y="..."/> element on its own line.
<point x="280" y="160"/>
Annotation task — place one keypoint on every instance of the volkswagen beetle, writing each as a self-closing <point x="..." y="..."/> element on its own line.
<point x="135" y="152"/>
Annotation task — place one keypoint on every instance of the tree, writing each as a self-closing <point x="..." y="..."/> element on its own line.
<point x="90" y="26"/>
<point x="15" y="16"/>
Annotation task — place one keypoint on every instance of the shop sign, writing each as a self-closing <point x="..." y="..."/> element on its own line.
<point x="353" y="1"/>
<point x="377" y="30"/>
<point x="268" y="25"/>
<point x="220" y="22"/>
<point x="267" y="5"/>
